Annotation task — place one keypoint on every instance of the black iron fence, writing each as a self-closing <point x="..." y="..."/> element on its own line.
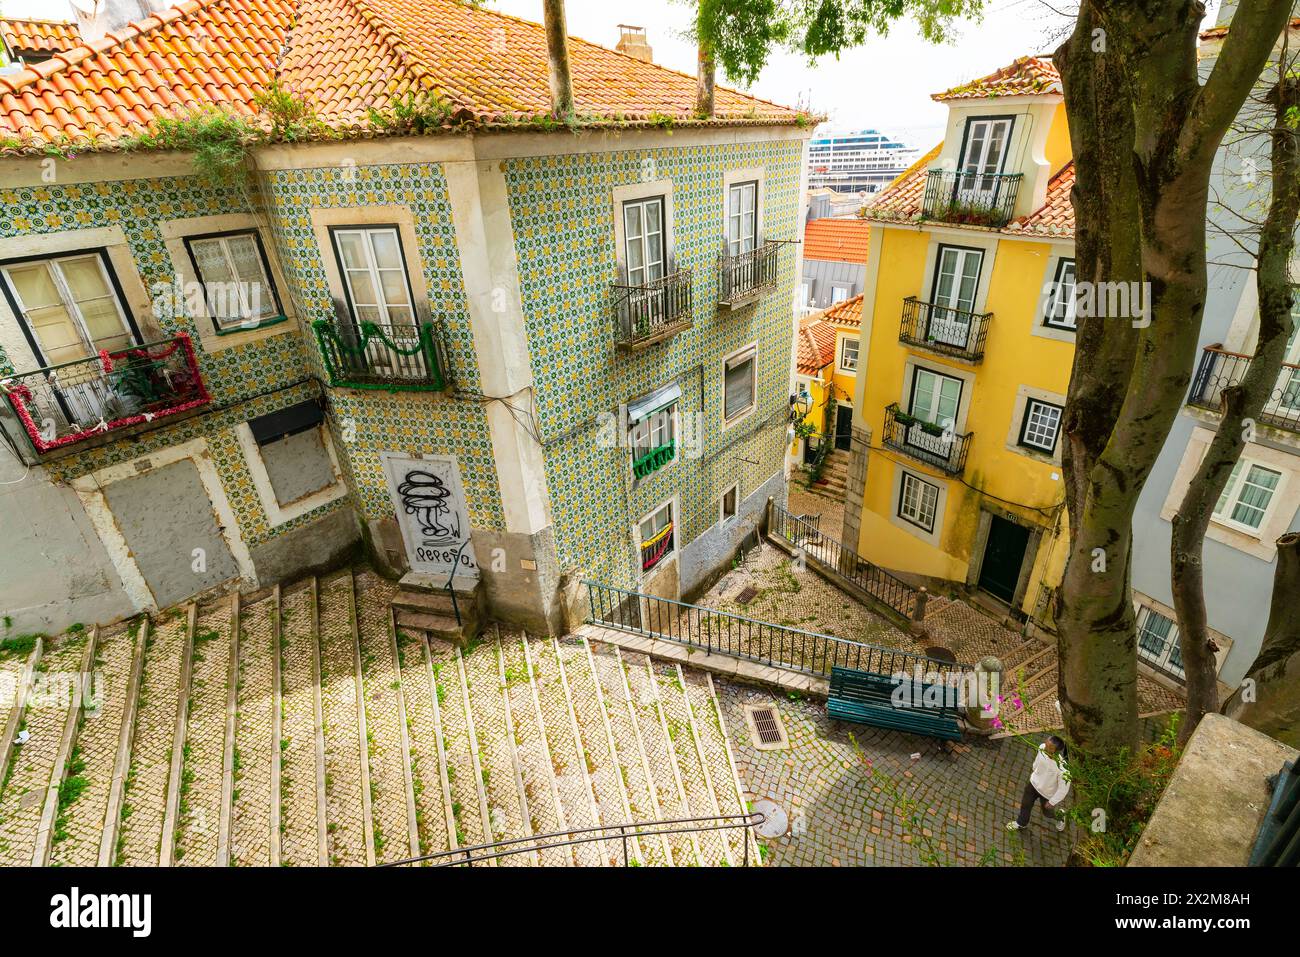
<point x="924" y="441"/>
<point x="952" y="332"/>
<point x="1219" y="369"/>
<point x="969" y="198"/>
<point x="653" y="310"/>
<point x="722" y="632"/>
<point x="390" y="357"/>
<point x="73" y="401"/>
<point x="747" y="275"/>
<point x="840" y="558"/>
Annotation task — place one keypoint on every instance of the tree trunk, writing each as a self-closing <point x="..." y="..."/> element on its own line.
<point x="1134" y="100"/>
<point x="557" y="58"/>
<point x="1241" y="405"/>
<point x="1269" y="698"/>
<point x="706" y="70"/>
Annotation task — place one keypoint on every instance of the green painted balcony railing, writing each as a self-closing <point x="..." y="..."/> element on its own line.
<point x="398" y="357"/>
<point x="654" y="460"/>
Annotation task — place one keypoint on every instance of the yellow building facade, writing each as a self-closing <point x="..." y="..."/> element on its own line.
<point x="967" y="342"/>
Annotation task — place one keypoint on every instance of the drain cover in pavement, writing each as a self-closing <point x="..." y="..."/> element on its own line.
<point x="746" y="595"/>
<point x="776" y="821"/>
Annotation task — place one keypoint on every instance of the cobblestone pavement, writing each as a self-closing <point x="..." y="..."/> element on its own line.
<point x="843" y="815"/>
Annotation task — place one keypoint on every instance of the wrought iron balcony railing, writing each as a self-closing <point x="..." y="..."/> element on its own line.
<point x="62" y="405"/>
<point x="401" y="357"/>
<point x="952" y="332"/>
<point x="971" y="199"/>
<point x="1220" y="369"/>
<point x="925" y="441"/>
<point x="651" y="312"/>
<point x="747" y="276"/>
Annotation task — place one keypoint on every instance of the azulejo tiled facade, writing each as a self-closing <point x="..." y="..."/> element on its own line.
<point x="584" y="504"/>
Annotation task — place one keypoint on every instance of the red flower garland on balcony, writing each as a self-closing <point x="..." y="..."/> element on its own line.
<point x="20" y="395"/>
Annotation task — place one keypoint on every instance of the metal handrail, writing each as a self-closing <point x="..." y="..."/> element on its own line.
<point x="713" y="630"/>
<point x="652" y="310"/>
<point x="945" y="450"/>
<point x="455" y="567"/>
<point x="746" y="274"/>
<point x="845" y="560"/>
<point x="542" y="842"/>
<point x="1220" y="369"/>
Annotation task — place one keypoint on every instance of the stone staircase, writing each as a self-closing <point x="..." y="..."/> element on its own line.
<point x="330" y="723"/>
<point x="835" y="476"/>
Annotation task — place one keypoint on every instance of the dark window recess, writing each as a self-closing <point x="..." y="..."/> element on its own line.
<point x="286" y="422"/>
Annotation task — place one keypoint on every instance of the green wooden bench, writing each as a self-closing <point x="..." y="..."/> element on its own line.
<point x="864" y="697"/>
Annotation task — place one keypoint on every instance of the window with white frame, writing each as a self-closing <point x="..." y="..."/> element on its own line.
<point x="1041" y="426"/>
<point x="739" y="383"/>
<point x="374" y="274"/>
<point x="839" y="294"/>
<point x="69" y="305"/>
<point x="643" y="237"/>
<point x="236" y="279"/>
<point x="849" y="354"/>
<point x="1059" y="313"/>
<point x="1244" y="501"/>
<point x="742" y="218"/>
<point x="1158" y="641"/>
<point x="657" y="534"/>
<point x="654" y="441"/>
<point x="918" y="501"/>
<point x="729" y="505"/>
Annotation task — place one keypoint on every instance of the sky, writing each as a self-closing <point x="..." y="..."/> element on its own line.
<point x="884" y="84"/>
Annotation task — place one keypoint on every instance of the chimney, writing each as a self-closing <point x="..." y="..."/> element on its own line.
<point x="632" y="41"/>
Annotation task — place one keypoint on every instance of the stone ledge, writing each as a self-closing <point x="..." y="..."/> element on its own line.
<point x="1211" y="811"/>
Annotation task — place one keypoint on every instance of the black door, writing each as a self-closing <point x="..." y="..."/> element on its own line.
<point x="843" y="426"/>
<point x="1004" y="553"/>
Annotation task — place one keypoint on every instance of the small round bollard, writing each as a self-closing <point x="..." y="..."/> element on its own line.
<point x="988" y="685"/>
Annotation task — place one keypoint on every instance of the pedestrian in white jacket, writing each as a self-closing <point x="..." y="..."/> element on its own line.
<point x="1049" y="783"/>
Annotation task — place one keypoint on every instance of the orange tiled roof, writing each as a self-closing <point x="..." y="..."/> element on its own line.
<point x="1218" y="33"/>
<point x="845" y="313"/>
<point x="838" y="240"/>
<point x="815" y="345"/>
<point x="901" y="202"/>
<point x="1056" y="216"/>
<point x="1028" y="76"/>
<point x="901" y="199"/>
<point x="343" y="57"/>
<point x="22" y="37"/>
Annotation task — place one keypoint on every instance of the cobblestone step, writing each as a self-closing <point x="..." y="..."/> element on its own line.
<point x="464" y="781"/>
<point x="254" y="828"/>
<point x="303" y="822"/>
<point x="347" y="793"/>
<point x="25" y="782"/>
<point x="567" y="761"/>
<point x="202" y="785"/>
<point x="388" y="750"/>
<point x="718" y="759"/>
<point x="653" y="729"/>
<point x="694" y="771"/>
<point x="496" y="759"/>
<point x="598" y="744"/>
<point x="545" y="810"/>
<point x="634" y="766"/>
<point x="145" y="809"/>
<point x="79" y="828"/>
<point x="428" y="776"/>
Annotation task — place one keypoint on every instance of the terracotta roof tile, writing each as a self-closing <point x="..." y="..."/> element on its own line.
<point x="837" y="240"/>
<point x="845" y="313"/>
<point x="815" y="347"/>
<point x="1056" y="216"/>
<point x="24" y="37"/>
<point x="1219" y="32"/>
<point x="344" y="57"/>
<point x="1027" y="76"/>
